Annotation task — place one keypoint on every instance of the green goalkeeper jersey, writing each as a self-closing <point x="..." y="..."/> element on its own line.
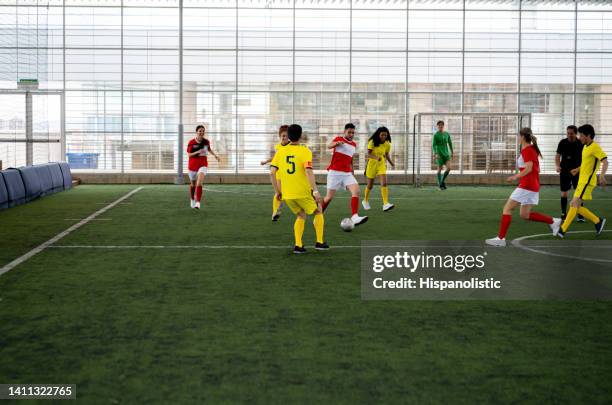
<point x="442" y="143"/>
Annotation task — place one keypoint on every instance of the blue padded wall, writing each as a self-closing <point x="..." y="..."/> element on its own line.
<point x="44" y="176"/>
<point x="14" y="187"/>
<point x="31" y="181"/>
<point x="56" y="176"/>
<point x="67" y="175"/>
<point x="4" y="200"/>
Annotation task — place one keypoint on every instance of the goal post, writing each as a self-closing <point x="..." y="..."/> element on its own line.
<point x="483" y="143"/>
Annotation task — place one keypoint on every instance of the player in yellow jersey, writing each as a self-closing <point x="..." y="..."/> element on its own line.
<point x="593" y="157"/>
<point x="379" y="147"/>
<point x="284" y="140"/>
<point x="294" y="163"/>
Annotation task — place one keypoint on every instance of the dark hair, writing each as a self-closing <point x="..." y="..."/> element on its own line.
<point x="574" y="128"/>
<point x="530" y="138"/>
<point x="282" y="128"/>
<point x="200" y="126"/>
<point x="294" y="132"/>
<point x="439" y="122"/>
<point x="376" y="136"/>
<point x="588" y="130"/>
<point x="350" y="125"/>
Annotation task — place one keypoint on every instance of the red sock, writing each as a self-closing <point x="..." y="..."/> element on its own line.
<point x="191" y="191"/>
<point x="354" y="205"/>
<point x="536" y="216"/>
<point x="504" y="225"/>
<point x="198" y="193"/>
<point x="325" y="204"/>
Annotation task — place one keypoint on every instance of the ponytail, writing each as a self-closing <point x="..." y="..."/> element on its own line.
<point x="530" y="138"/>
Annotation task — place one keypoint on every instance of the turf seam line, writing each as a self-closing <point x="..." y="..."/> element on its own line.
<point x="8" y="267"/>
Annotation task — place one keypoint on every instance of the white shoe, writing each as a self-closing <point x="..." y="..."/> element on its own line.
<point x="366" y="205"/>
<point x="388" y="207"/>
<point x="197" y="205"/>
<point x="193" y="203"/>
<point x="357" y="220"/>
<point x="496" y="242"/>
<point x="555" y="226"/>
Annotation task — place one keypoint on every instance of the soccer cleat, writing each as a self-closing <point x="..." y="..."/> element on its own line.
<point x="321" y="246"/>
<point x="366" y="205"/>
<point x="580" y="218"/>
<point x="443" y="186"/>
<point x="193" y="203"/>
<point x="496" y="241"/>
<point x="600" y="226"/>
<point x="555" y="226"/>
<point x="357" y="220"/>
<point x="388" y="207"/>
<point x="299" y="249"/>
<point x="561" y="234"/>
<point x="275" y="217"/>
<point x="197" y="205"/>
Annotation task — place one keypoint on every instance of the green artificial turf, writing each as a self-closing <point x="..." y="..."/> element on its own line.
<point x="187" y="325"/>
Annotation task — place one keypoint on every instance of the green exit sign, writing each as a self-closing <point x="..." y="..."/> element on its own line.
<point x="27" y="83"/>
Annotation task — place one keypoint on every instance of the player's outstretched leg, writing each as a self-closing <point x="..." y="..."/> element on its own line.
<point x="328" y="198"/>
<point x="504" y="224"/>
<point x="588" y="214"/>
<point x="553" y="223"/>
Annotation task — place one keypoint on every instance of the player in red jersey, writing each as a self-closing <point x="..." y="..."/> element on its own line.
<point x="340" y="172"/>
<point x="527" y="194"/>
<point x="198" y="149"/>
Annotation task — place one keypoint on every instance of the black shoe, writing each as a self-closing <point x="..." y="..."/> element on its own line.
<point x="275" y="217"/>
<point x="600" y="226"/>
<point x="321" y="246"/>
<point x="580" y="218"/>
<point x="443" y="186"/>
<point x="563" y="215"/>
<point x="561" y="234"/>
<point x="299" y="249"/>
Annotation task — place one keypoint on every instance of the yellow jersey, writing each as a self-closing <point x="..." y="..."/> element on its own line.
<point x="380" y="150"/>
<point x="292" y="162"/>
<point x="278" y="146"/>
<point x="592" y="155"/>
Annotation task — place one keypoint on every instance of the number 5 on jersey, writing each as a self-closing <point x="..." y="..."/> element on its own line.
<point x="292" y="163"/>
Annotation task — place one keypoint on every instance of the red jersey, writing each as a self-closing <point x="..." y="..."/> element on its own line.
<point x="530" y="182"/>
<point x="342" y="158"/>
<point x="197" y="161"/>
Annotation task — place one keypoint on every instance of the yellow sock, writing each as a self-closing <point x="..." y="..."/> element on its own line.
<point x="585" y="212"/>
<point x="571" y="214"/>
<point x="385" y="194"/>
<point x="366" y="195"/>
<point x="319" y="222"/>
<point x="298" y="231"/>
<point x="275" y="204"/>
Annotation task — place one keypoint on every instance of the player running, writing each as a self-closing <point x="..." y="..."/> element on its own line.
<point x="198" y="149"/>
<point x="593" y="157"/>
<point x="284" y="140"/>
<point x="527" y="194"/>
<point x="340" y="172"/>
<point x="294" y="163"/>
<point x="567" y="161"/>
<point x="442" y="147"/>
<point x="379" y="147"/>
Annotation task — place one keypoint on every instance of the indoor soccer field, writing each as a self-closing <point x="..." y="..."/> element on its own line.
<point x="154" y="301"/>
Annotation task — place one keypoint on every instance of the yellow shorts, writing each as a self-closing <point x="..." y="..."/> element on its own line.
<point x="584" y="191"/>
<point x="307" y="204"/>
<point x="375" y="168"/>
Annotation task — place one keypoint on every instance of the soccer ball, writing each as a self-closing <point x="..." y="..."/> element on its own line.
<point x="347" y="225"/>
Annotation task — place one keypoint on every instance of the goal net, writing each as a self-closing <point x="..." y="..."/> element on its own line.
<point x="483" y="143"/>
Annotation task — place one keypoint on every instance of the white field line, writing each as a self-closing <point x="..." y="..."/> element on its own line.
<point x="517" y="243"/>
<point x="378" y="198"/>
<point x="80" y="219"/>
<point x="8" y="267"/>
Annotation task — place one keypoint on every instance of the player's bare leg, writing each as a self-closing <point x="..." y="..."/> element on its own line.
<point x="328" y="198"/>
<point x="384" y="191"/>
<point x="366" y="197"/>
<point x="357" y="220"/>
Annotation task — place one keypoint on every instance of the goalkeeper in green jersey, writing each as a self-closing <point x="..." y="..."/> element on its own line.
<point x="443" y="153"/>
